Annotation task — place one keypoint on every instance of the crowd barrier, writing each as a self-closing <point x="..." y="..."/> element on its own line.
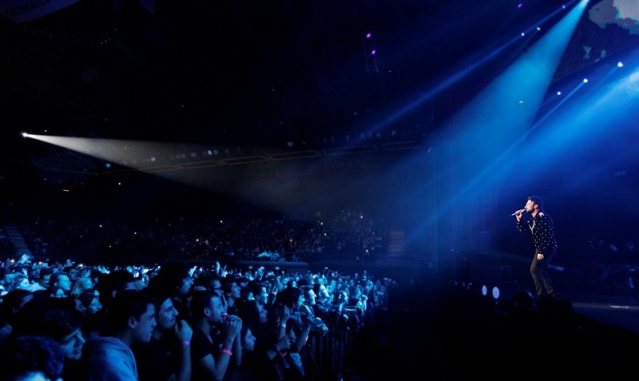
<point x="327" y="356"/>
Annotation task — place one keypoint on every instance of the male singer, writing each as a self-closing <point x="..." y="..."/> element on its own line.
<point x="543" y="241"/>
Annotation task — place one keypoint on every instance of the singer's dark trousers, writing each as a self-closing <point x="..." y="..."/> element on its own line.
<point x="539" y="272"/>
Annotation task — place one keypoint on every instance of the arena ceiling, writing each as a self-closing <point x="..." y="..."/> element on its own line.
<point x="279" y="80"/>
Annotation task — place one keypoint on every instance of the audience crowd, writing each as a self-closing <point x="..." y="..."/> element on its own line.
<point x="176" y="299"/>
<point x="347" y="234"/>
<point x="172" y="320"/>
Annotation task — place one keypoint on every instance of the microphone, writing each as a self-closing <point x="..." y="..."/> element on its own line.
<point x="520" y="211"/>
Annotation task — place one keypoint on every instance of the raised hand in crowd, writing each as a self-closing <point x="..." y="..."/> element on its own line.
<point x="183" y="331"/>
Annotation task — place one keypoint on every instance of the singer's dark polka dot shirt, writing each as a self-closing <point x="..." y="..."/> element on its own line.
<point x="543" y="233"/>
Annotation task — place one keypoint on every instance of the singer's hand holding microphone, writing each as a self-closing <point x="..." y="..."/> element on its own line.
<point x="519" y="212"/>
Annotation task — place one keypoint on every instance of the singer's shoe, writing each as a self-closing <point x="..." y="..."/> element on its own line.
<point x="552" y="296"/>
<point x="545" y="299"/>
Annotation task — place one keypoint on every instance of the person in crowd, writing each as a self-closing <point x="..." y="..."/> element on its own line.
<point x="58" y="292"/>
<point x="276" y="356"/>
<point x="322" y="306"/>
<point x="212" y="352"/>
<point x="5" y="279"/>
<point x="543" y="242"/>
<point x="252" y="361"/>
<point x="238" y="368"/>
<point x="20" y="282"/>
<point x="331" y="286"/>
<point x="111" y="283"/>
<point x="261" y="293"/>
<point x="241" y="279"/>
<point x="246" y="294"/>
<point x="85" y="272"/>
<point x="355" y="305"/>
<point x="300" y="318"/>
<point x="11" y="304"/>
<point x="132" y="320"/>
<point x="310" y="299"/>
<point x="209" y="280"/>
<point x="90" y="299"/>
<point x="44" y="275"/>
<point x="273" y="286"/>
<point x="81" y="284"/>
<point x="168" y="355"/>
<point x="72" y="272"/>
<point x="31" y="358"/>
<point x="338" y="316"/>
<point x="58" y="319"/>
<point x="53" y="317"/>
<point x="231" y="288"/>
<point x="94" y="273"/>
<point x="108" y="286"/>
<point x="175" y="278"/>
<point x="93" y="322"/>
<point x="255" y="315"/>
<point x="60" y="284"/>
<point x="354" y="295"/>
<point x="318" y="327"/>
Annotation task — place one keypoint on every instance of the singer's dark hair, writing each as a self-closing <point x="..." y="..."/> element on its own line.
<point x="536" y="200"/>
